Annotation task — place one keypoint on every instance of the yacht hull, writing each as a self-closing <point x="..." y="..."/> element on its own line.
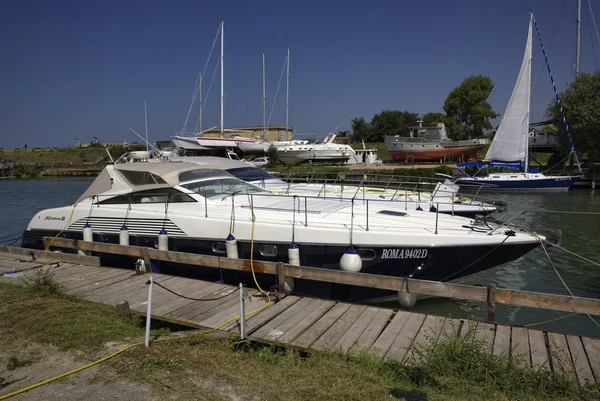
<point x="520" y="182"/>
<point x="427" y="262"/>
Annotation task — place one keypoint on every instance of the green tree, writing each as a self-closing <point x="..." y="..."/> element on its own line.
<point x="361" y="130"/>
<point x="581" y="104"/>
<point x="391" y="122"/>
<point x="467" y="104"/>
<point x="453" y="128"/>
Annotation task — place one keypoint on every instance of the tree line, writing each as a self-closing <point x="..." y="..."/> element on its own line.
<point x="467" y="115"/>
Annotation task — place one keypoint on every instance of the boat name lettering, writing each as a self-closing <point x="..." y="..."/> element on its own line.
<point x="48" y="218"/>
<point x="404" y="253"/>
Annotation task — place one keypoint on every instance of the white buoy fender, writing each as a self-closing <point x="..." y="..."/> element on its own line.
<point x="294" y="255"/>
<point x="407" y="299"/>
<point x="351" y="261"/>
<point x="231" y="245"/>
<point x="124" y="236"/>
<point x="88" y="235"/>
<point x="163" y="241"/>
<point x="294" y="260"/>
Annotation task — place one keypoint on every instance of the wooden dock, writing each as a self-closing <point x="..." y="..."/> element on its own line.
<point x="306" y="323"/>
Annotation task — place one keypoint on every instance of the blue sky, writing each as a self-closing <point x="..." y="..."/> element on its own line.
<point x="83" y="68"/>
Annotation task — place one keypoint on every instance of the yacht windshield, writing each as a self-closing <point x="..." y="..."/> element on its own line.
<point x="250" y="174"/>
<point x="218" y="188"/>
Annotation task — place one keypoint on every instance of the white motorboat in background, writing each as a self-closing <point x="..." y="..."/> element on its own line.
<point x="327" y="151"/>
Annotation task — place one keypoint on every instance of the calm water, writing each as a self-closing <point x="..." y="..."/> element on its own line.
<point x="21" y="199"/>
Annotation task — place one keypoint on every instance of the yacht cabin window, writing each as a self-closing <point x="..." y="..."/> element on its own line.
<point x="218" y="188"/>
<point x="141" y="177"/>
<point x="162" y="195"/>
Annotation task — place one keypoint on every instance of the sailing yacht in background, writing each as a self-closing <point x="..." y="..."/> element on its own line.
<point x="509" y="147"/>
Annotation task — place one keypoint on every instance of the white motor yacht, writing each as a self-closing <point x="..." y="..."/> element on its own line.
<point x="202" y="210"/>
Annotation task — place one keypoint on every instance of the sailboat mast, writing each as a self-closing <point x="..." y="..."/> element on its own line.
<point x="146" y="124"/>
<point x="222" y="69"/>
<point x="264" y="98"/>
<point x="287" y="94"/>
<point x="201" y="104"/>
<point x="578" y="47"/>
<point x="529" y="46"/>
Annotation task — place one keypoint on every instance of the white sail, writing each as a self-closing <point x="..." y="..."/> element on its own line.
<point x="510" y="141"/>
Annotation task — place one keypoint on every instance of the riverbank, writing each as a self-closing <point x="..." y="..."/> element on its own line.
<point x="47" y="333"/>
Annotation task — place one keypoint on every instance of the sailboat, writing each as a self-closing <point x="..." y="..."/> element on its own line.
<point x="509" y="147"/>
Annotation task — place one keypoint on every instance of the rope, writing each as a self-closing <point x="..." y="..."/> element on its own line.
<point x="573" y="253"/>
<point x="549" y="321"/>
<point x="561" y="279"/>
<point x="193" y="299"/>
<point x="472" y="263"/>
<point x="558" y="102"/>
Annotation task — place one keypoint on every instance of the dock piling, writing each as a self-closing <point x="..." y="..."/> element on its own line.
<point x="491" y="301"/>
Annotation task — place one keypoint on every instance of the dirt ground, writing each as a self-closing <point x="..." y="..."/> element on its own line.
<point x="46" y="362"/>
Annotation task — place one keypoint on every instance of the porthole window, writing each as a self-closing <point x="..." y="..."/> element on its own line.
<point x="366" y="254"/>
<point x="219" y="247"/>
<point x="268" y="250"/>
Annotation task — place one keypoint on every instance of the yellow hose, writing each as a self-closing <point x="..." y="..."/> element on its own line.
<point x="3" y="397"/>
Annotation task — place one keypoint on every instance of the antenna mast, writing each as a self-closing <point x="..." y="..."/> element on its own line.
<point x="578" y="51"/>
<point x="222" y="95"/>
<point x="264" y="98"/>
<point x="146" y="122"/>
<point x="201" y="104"/>
<point x="287" y="94"/>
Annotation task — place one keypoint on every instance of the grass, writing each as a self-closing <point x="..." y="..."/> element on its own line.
<point x="200" y="367"/>
<point x="452" y="368"/>
<point x="39" y="312"/>
<point x="53" y="155"/>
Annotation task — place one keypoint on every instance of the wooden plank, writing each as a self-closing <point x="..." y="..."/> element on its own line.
<point x="252" y="303"/>
<point x="121" y="287"/>
<point x="425" y="339"/>
<point x="580" y="361"/>
<point x="330" y="338"/>
<point x="485" y="334"/>
<point x="259" y="319"/>
<point x="81" y="288"/>
<point x="315" y="314"/>
<point x="138" y="297"/>
<point x="226" y="298"/>
<point x="548" y="301"/>
<point x="37" y="254"/>
<point x="199" y="290"/>
<point x="592" y="349"/>
<point x="272" y="330"/>
<point x="358" y="327"/>
<point x="539" y="353"/>
<point x="448" y="290"/>
<point x="373" y="330"/>
<point x="561" y="357"/>
<point x="502" y="341"/>
<point x="8" y="265"/>
<point x="314" y="332"/>
<point x="520" y="346"/>
<point x="450" y="329"/>
<point x="468" y="329"/>
<point x="389" y="334"/>
<point x="405" y="337"/>
<point x="197" y="307"/>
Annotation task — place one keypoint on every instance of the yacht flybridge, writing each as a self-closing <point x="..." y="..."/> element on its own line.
<point x="211" y="212"/>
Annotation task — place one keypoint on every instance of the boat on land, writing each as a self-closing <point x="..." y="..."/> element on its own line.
<point x="432" y="144"/>
<point x="207" y="211"/>
<point x="509" y="148"/>
<point x="324" y="152"/>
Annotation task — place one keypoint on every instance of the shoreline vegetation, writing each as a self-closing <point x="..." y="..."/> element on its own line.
<point x="66" y="332"/>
